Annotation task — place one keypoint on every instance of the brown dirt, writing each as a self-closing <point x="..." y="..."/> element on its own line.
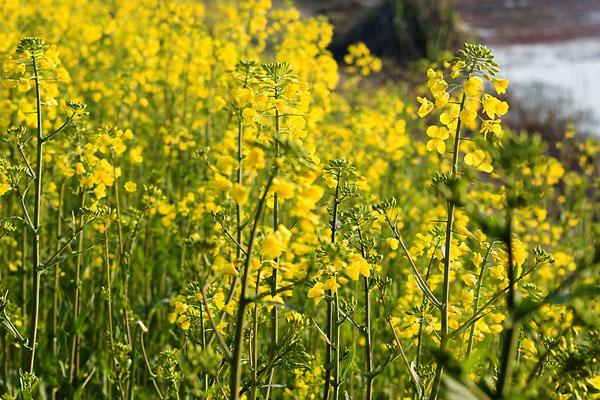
<point x="531" y="21"/>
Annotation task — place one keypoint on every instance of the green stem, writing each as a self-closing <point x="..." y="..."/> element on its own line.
<point x="511" y="331"/>
<point x="111" y="339"/>
<point x="448" y="244"/>
<point x="152" y="374"/>
<point x="275" y="270"/>
<point x="124" y="266"/>
<point x="476" y="298"/>
<point x="236" y="359"/>
<point x="413" y="267"/>
<point x="36" y="223"/>
<point x="423" y="308"/>
<point x="57" y="273"/>
<point x="74" y="363"/>
<point x="132" y="371"/>
<point x="337" y="330"/>
<point x="367" y="327"/>
<point x="255" y="342"/>
<point x="330" y="320"/>
<point x="238" y="210"/>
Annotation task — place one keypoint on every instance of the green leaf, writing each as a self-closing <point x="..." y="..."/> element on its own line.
<point x="457" y="390"/>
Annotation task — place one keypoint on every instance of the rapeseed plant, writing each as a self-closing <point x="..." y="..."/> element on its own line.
<point x="218" y="215"/>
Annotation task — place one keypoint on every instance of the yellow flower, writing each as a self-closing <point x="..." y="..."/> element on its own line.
<point x="249" y="115"/>
<point x="479" y="159"/>
<point x="500" y="85"/>
<point x="316" y="292"/>
<point x="239" y="193"/>
<point x="437" y="135"/>
<point x="272" y="299"/>
<point x="283" y="188"/>
<point x="393" y="243"/>
<point x="275" y="243"/>
<point x="130" y="187"/>
<point x="477" y="259"/>
<point x="426" y="106"/>
<point x="135" y="155"/>
<point x="473" y="86"/>
<point x="331" y="284"/>
<point x="595" y="382"/>
<point x="358" y="266"/>
<point x="469" y="279"/>
<point x="519" y="252"/>
<point x="492" y="106"/>
<point x="468" y="116"/>
<point x="255" y="159"/>
<point x="442" y="100"/>
<point x="491" y="126"/>
<point x="436" y="83"/>
<point x="184" y="322"/>
<point x="100" y="191"/>
<point x="4" y="187"/>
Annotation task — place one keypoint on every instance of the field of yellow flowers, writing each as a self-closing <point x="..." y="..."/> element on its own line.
<point x="198" y="202"/>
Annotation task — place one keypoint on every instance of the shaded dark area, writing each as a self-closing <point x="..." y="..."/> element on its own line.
<point x="543" y="113"/>
<point x="403" y="30"/>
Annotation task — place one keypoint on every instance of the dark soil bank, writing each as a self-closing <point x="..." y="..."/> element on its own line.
<point x="531" y="21"/>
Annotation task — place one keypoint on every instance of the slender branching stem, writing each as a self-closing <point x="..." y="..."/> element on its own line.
<point x="255" y="341"/>
<point x="74" y="363"/>
<point x="111" y="339"/>
<point x="57" y="272"/>
<point x="211" y="320"/>
<point x="512" y="325"/>
<point x="330" y="319"/>
<point x="447" y="257"/>
<point x="36" y="222"/>
<point x="147" y="362"/>
<point x="424" y="307"/>
<point x="122" y="264"/>
<point x="275" y="269"/>
<point x="477" y="296"/>
<point x="367" y="327"/>
<point x="236" y="359"/>
<point x="413" y="267"/>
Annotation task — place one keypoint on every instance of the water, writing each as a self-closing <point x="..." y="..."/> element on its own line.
<point x="569" y="72"/>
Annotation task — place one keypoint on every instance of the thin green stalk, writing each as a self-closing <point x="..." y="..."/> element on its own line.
<point x="133" y="367"/>
<point x="542" y="358"/>
<point x="57" y="272"/>
<point x="423" y="307"/>
<point x="255" y="342"/>
<point x="147" y="362"/>
<point x="476" y="298"/>
<point x="124" y="268"/>
<point x="211" y="320"/>
<point x="367" y="327"/>
<point x="330" y="319"/>
<point x="236" y="359"/>
<point x="108" y="272"/>
<point x="36" y="222"/>
<point x="368" y="340"/>
<point x="511" y="331"/>
<point x="240" y="181"/>
<point x="275" y="270"/>
<point x="337" y="330"/>
<point x="488" y="303"/>
<point x="413" y="267"/>
<point x="411" y="371"/>
<point x="24" y="282"/>
<point x="448" y="244"/>
<point x="74" y="363"/>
